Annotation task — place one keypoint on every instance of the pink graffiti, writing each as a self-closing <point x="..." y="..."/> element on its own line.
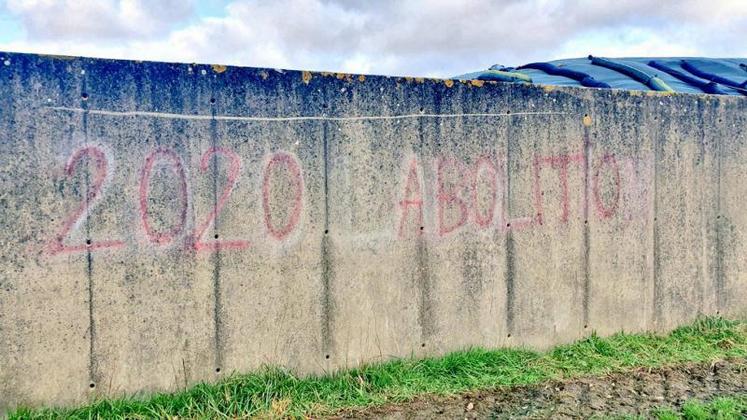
<point x="412" y="186"/>
<point x="101" y="164"/>
<point x="450" y="197"/>
<point x="484" y="220"/>
<point x="234" y="170"/>
<point x="167" y="236"/>
<point x="289" y="162"/>
<point x="606" y="211"/>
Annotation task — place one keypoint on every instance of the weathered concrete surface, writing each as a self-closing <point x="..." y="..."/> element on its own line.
<point x="165" y="224"/>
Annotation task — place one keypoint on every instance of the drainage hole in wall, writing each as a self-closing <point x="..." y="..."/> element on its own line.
<point x="421" y="228"/>
<point x="216" y="236"/>
<point x="217" y="370"/>
<point x="88" y="242"/>
<point x="508" y="112"/>
<point x="326" y="356"/>
<point x="586" y="326"/>
<point x="422" y="345"/>
<point x="212" y="100"/>
<point x="84" y="96"/>
<point x="509" y="336"/>
<point x="508" y="224"/>
<point x="92" y="385"/>
<point x="326" y="231"/>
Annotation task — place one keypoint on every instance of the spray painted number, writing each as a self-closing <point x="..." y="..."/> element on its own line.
<point x="167" y="236"/>
<point x="287" y="161"/>
<point x="73" y="221"/>
<point x="164" y="236"/>
<point x="234" y="170"/>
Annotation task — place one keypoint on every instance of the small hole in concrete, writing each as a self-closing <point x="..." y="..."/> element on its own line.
<point x="88" y="242"/>
<point x="326" y="231"/>
<point x="422" y="109"/>
<point x="324" y="106"/>
<point x="508" y="112"/>
<point x="422" y="345"/>
<point x="508" y="224"/>
<point x="92" y="385"/>
<point x="421" y="228"/>
<point x="654" y="219"/>
<point x="586" y="115"/>
<point x="586" y="326"/>
<point x="718" y="312"/>
<point x="216" y="236"/>
<point x="212" y="100"/>
<point x="586" y="222"/>
<point x="326" y="356"/>
<point x="718" y="217"/>
<point x="509" y="336"/>
<point x="217" y="370"/>
<point x="84" y="96"/>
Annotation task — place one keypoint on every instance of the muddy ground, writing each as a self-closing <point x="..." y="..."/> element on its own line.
<point x="635" y="392"/>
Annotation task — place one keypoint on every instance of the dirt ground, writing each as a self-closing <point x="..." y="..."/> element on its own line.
<point x="631" y="393"/>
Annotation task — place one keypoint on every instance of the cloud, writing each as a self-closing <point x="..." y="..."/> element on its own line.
<point x="101" y="19"/>
<point x="416" y="37"/>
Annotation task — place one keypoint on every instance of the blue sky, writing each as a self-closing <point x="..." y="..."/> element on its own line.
<point x="403" y="37"/>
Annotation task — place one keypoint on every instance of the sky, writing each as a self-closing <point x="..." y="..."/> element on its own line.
<point x="432" y="38"/>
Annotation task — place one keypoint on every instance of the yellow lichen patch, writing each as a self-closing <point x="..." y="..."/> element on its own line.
<point x="548" y="88"/>
<point x="342" y="76"/>
<point x="326" y="73"/>
<point x="449" y="83"/>
<point x="659" y="93"/>
<point x="587" y="120"/>
<point x="218" y="68"/>
<point x="477" y="83"/>
<point x="361" y="78"/>
<point x="420" y="80"/>
<point x="59" y="57"/>
<point x="306" y="77"/>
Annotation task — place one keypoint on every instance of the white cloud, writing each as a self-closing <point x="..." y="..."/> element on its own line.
<point x="416" y="37"/>
<point x="102" y="19"/>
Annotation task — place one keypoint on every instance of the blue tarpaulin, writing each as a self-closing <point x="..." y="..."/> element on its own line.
<point x="724" y="76"/>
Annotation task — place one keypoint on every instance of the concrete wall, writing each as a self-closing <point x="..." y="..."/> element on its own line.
<point x="165" y="224"/>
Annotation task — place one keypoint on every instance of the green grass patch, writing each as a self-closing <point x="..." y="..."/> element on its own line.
<point x="275" y="392"/>
<point x="722" y="408"/>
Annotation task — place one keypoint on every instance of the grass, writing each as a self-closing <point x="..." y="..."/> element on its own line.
<point x="273" y="392"/>
<point x="722" y="408"/>
<point x="719" y="408"/>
